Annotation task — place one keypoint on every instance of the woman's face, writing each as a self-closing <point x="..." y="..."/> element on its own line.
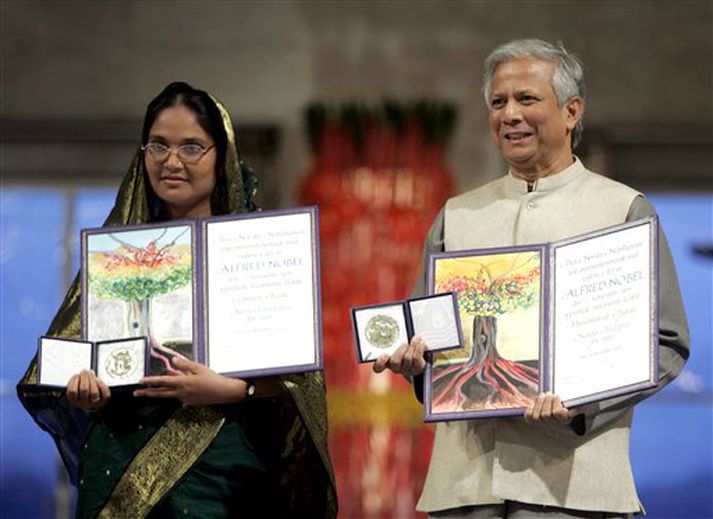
<point x="184" y="188"/>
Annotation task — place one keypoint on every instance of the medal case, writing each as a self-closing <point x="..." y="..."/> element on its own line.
<point x="381" y="328"/>
<point x="119" y="363"/>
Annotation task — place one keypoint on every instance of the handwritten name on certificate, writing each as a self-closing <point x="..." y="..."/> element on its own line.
<point x="261" y="302"/>
<point x="603" y="292"/>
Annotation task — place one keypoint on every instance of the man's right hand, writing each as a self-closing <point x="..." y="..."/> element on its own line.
<point x="86" y="391"/>
<point x="407" y="359"/>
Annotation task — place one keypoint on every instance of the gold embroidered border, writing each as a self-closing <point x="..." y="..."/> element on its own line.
<point x="163" y="461"/>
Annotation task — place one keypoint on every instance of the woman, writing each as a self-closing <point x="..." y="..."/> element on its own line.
<point x="185" y="444"/>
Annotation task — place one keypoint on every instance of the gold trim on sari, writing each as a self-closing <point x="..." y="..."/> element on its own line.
<point x="171" y="452"/>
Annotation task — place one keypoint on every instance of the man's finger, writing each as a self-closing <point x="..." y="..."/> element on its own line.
<point x="530" y="409"/>
<point x="419" y="352"/>
<point x="546" y="408"/>
<point x="419" y="365"/>
<point x="397" y="357"/>
<point x="562" y="416"/>
<point x="380" y="364"/>
<point x="561" y="413"/>
<point x="537" y="408"/>
<point x="407" y="361"/>
<point x="419" y="345"/>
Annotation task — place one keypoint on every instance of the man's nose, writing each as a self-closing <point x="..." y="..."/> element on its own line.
<point x="511" y="112"/>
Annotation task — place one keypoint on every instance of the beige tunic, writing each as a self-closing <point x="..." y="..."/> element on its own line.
<point x="488" y="461"/>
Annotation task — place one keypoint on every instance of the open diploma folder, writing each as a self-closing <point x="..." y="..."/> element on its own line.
<point x="577" y="317"/>
<point x="238" y="293"/>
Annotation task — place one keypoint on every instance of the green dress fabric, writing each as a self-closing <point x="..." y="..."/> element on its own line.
<point x="266" y="458"/>
<point x="231" y="478"/>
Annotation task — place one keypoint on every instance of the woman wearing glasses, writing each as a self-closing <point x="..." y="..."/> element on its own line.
<point x="187" y="444"/>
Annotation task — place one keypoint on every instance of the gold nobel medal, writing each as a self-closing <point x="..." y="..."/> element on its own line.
<point x="382" y="331"/>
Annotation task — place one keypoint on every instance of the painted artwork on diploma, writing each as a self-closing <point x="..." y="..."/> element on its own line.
<point x="139" y="282"/>
<point x="499" y="301"/>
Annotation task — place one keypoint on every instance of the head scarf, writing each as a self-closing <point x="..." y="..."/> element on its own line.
<point x="305" y="424"/>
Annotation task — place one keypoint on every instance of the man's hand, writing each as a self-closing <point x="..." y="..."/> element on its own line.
<point x="548" y="408"/>
<point x="87" y="392"/>
<point x="407" y="359"/>
<point x="198" y="385"/>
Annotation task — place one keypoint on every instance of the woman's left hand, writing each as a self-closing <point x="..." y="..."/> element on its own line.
<point x="198" y="385"/>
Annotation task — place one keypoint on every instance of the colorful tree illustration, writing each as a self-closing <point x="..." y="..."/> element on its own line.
<point x="137" y="274"/>
<point x="487" y="380"/>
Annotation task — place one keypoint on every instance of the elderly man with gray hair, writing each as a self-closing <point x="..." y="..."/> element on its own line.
<point x="557" y="462"/>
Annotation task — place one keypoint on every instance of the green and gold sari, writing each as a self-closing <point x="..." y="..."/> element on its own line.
<point x="138" y="457"/>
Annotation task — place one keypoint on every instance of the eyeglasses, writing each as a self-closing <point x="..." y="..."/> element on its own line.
<point x="187" y="153"/>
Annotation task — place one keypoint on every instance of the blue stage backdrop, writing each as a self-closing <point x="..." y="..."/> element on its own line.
<point x="671" y="444"/>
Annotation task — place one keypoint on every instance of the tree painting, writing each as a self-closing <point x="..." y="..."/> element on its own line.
<point x="135" y="267"/>
<point x="488" y="287"/>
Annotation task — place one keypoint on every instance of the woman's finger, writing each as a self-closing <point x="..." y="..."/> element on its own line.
<point x="94" y="395"/>
<point x="84" y="386"/>
<point x="73" y="388"/>
<point x="104" y="391"/>
<point x="163" y="381"/>
<point x="157" y="393"/>
<point x="186" y="365"/>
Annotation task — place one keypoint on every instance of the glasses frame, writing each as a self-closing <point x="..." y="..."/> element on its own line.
<point x="170" y="150"/>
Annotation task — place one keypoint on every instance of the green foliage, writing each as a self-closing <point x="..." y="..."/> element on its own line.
<point x="140" y="287"/>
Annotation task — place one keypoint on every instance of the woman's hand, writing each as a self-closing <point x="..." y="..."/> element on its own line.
<point x="548" y="408"/>
<point x="198" y="385"/>
<point x="407" y="359"/>
<point x="86" y="391"/>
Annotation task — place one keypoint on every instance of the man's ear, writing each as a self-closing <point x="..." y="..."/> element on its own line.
<point x="575" y="111"/>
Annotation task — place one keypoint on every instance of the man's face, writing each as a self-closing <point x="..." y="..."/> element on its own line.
<point x="530" y="130"/>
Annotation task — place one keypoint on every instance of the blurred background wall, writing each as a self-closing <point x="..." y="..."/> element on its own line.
<point x="76" y="77"/>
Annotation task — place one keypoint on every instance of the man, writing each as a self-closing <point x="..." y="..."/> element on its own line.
<point x="557" y="462"/>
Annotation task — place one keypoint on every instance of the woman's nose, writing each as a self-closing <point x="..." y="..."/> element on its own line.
<point x="172" y="161"/>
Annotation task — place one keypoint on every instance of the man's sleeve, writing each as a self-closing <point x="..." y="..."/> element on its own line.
<point x="433" y="243"/>
<point x="674" y="339"/>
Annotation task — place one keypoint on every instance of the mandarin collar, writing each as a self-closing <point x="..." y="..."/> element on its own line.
<point x="517" y="186"/>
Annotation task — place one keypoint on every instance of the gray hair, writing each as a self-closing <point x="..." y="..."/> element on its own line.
<point x="567" y="78"/>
